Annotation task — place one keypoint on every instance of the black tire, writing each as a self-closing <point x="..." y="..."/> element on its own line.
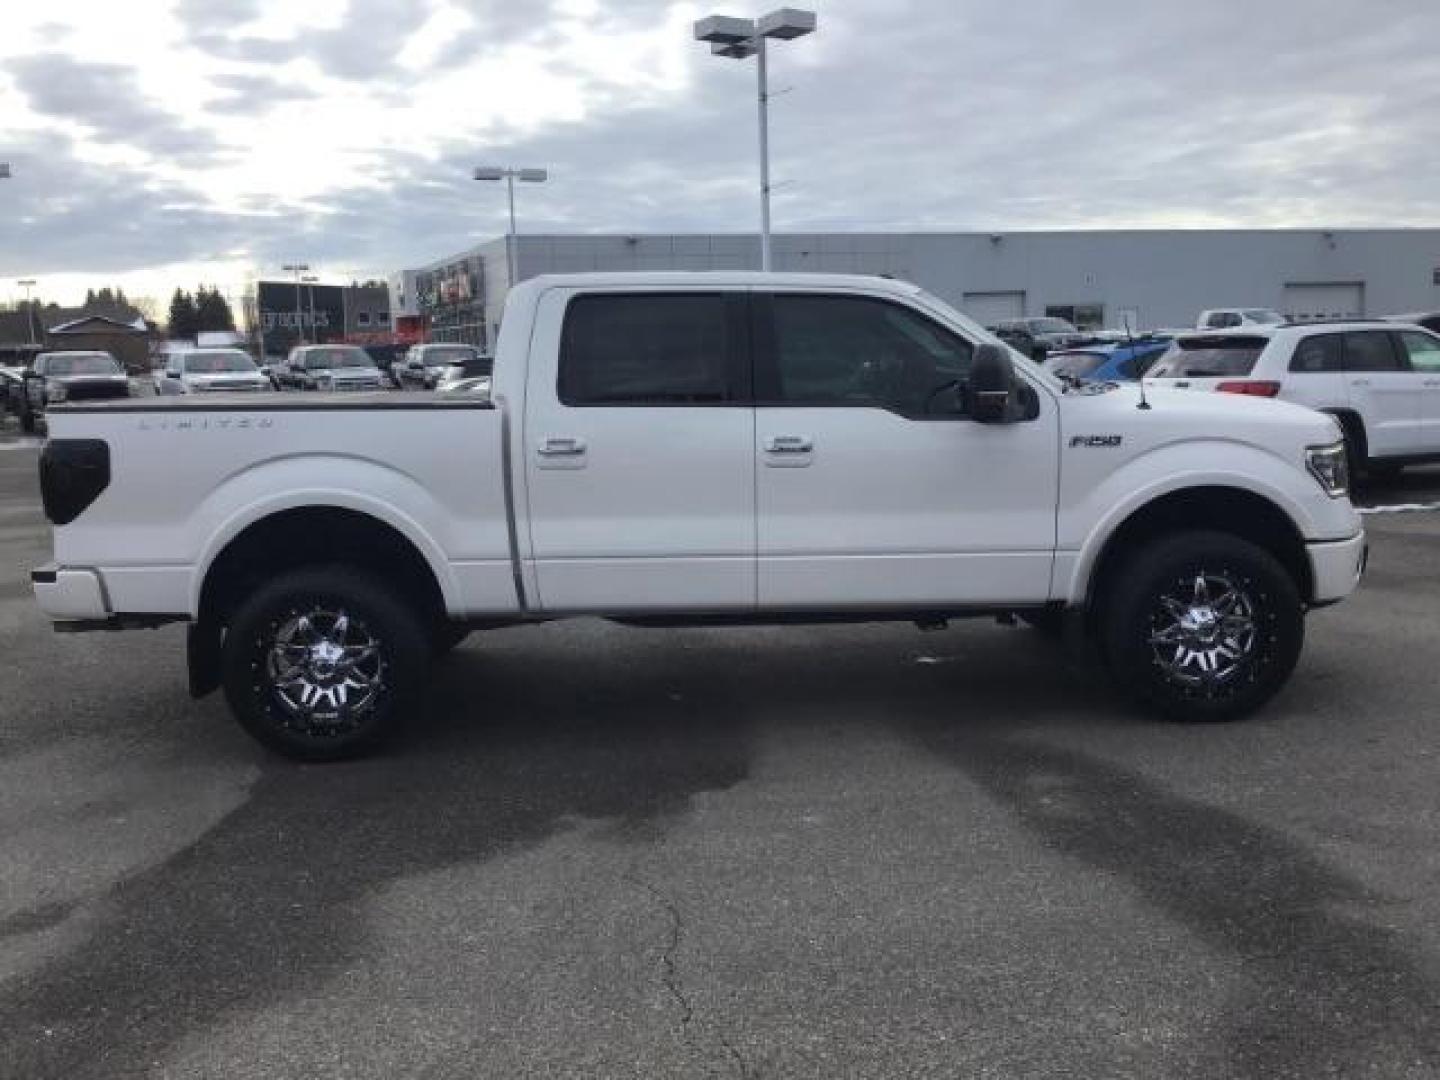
<point x="380" y="628"/>
<point x="447" y="637"/>
<point x="1257" y="663"/>
<point x="1047" y="622"/>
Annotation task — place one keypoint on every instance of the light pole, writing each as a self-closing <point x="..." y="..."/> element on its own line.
<point x="27" y="284"/>
<point x="297" y="269"/>
<point x="528" y="176"/>
<point x="310" y="280"/>
<point x="739" y="39"/>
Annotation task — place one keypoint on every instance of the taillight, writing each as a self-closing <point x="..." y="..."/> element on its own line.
<point x="73" y="473"/>
<point x="1251" y="387"/>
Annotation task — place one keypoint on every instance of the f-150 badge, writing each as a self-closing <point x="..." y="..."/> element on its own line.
<point x="1095" y="441"/>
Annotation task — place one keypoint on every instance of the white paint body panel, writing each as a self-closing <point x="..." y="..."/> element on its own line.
<point x="677" y="510"/>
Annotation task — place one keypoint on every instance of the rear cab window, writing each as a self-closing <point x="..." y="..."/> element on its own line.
<point x="1217" y="357"/>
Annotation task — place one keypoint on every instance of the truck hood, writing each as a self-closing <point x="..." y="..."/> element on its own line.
<point x="1276" y="427"/>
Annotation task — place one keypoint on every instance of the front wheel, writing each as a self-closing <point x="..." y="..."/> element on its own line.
<point x="320" y="663"/>
<point x="1202" y="626"/>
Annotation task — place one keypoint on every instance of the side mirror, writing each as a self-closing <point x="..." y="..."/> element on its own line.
<point x="992" y="384"/>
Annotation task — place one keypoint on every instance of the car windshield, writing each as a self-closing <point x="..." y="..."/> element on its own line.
<point x="1075" y="365"/>
<point x="1209" y="357"/>
<point x="339" y="356"/>
<point x="1051" y="326"/>
<point x="440" y="355"/>
<point x="79" y="364"/>
<point x="1263" y="315"/>
<point x="214" y="363"/>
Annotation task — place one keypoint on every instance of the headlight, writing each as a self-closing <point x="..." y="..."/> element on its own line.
<point x="55" y="393"/>
<point x="1330" y="466"/>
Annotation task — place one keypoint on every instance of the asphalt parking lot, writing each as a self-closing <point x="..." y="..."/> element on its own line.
<point x="843" y="851"/>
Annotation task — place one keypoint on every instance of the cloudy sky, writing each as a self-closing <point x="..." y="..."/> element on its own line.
<point x="161" y="142"/>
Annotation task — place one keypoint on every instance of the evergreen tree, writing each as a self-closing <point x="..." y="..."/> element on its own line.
<point x="89" y="299"/>
<point x="213" y="310"/>
<point x="184" y="318"/>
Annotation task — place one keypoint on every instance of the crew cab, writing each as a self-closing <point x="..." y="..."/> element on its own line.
<point x="699" y="449"/>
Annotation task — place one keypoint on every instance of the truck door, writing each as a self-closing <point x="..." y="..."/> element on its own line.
<point x="638" y="436"/>
<point x="870" y="491"/>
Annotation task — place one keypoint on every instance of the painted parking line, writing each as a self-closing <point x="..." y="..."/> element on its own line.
<point x="1401" y="508"/>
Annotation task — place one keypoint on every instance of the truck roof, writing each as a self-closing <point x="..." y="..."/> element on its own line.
<point x="722" y="279"/>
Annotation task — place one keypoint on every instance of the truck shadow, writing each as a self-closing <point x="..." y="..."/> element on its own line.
<point x="269" y="905"/>
<point x="1326" y="990"/>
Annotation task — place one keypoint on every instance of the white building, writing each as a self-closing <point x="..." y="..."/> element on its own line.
<point x="1146" y="278"/>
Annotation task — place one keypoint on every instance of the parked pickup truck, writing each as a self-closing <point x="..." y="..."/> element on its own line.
<point x="698" y="449"/>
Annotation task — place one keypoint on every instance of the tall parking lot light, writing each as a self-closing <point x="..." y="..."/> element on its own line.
<point x="310" y="280"/>
<point x="27" y="284"/>
<point x="739" y="39"/>
<point x="525" y="176"/>
<point x="297" y="269"/>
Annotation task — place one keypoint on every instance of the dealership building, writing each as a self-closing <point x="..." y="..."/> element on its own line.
<point x="1142" y="278"/>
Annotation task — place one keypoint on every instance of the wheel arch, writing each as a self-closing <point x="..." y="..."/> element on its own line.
<point x="1213" y="507"/>
<point x="287" y="537"/>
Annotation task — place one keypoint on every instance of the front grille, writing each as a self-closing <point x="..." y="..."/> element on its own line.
<point x="233" y="387"/>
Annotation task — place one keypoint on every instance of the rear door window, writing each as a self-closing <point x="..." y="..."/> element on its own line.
<point x="1210" y="358"/>
<point x="646" y="349"/>
<point x="1371" y="350"/>
<point x="1319" y="353"/>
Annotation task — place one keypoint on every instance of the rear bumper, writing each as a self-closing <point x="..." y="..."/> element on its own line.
<point x="1336" y="567"/>
<point x="66" y="594"/>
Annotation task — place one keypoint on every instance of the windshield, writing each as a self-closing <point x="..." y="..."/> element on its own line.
<point x="78" y="364"/>
<point x="213" y="363"/>
<point x="1209" y="357"/>
<point x="1051" y="326"/>
<point x="338" y="356"/>
<point x="1076" y="365"/>
<point x="439" y="355"/>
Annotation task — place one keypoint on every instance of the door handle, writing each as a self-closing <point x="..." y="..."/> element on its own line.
<point x="788" y="444"/>
<point x="1432" y="382"/>
<point x="561" y="447"/>
<point x="1359" y="382"/>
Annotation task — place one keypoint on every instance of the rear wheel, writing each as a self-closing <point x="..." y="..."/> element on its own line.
<point x="1202" y="626"/>
<point x="320" y="663"/>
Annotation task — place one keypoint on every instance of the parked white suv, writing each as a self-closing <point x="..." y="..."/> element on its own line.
<point x="1381" y="380"/>
<point x="1228" y="318"/>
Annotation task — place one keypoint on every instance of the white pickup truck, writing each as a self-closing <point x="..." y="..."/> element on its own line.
<point x="681" y="449"/>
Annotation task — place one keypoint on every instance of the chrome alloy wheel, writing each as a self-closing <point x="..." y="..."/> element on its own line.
<point x="325" y="669"/>
<point x="1203" y="630"/>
